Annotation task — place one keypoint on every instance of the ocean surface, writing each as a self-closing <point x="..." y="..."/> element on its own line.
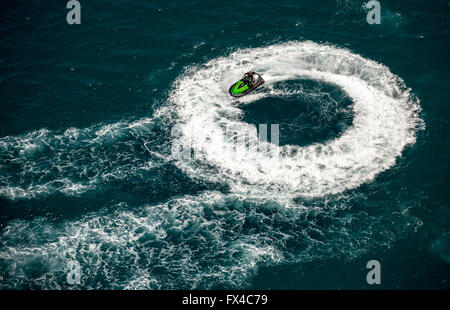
<point x="94" y="195"/>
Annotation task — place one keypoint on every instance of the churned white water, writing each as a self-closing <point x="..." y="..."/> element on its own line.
<point x="385" y="121"/>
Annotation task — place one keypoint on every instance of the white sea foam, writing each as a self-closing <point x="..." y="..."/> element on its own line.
<point x="385" y="121"/>
<point x="71" y="162"/>
<point x="182" y="243"/>
<point x="203" y="241"/>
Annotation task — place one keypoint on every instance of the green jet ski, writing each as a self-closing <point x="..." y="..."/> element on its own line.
<point x="249" y="83"/>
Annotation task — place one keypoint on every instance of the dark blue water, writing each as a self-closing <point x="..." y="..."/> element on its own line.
<point x="87" y="175"/>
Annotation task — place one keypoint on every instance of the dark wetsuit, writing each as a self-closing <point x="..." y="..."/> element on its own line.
<point x="248" y="79"/>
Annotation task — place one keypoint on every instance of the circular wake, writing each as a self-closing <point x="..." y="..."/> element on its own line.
<point x="385" y="121"/>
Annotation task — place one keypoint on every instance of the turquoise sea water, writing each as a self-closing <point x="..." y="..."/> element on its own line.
<point x="87" y="174"/>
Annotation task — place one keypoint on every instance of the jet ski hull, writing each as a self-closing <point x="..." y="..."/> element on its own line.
<point x="243" y="90"/>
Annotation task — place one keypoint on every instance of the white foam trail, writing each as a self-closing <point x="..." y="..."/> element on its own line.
<point x="385" y="121"/>
<point x="170" y="236"/>
<point x="189" y="242"/>
<point x="45" y="162"/>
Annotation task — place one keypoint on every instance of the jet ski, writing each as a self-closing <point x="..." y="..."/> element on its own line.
<point x="247" y="84"/>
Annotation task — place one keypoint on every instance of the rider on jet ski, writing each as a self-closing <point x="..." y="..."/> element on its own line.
<point x="248" y="78"/>
<point x="249" y="82"/>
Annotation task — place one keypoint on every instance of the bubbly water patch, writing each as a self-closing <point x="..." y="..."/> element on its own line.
<point x="206" y="241"/>
<point x="44" y="162"/>
<point x="385" y="121"/>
